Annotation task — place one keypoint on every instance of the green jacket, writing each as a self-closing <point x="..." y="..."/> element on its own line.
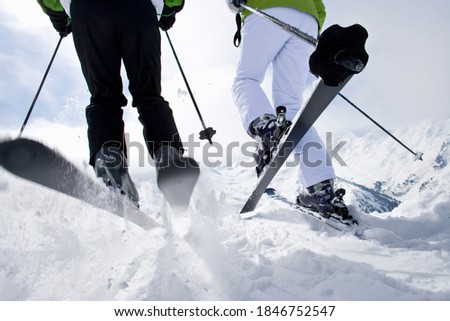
<point x="51" y="5"/>
<point x="59" y="18"/>
<point x="174" y="3"/>
<point x="314" y="7"/>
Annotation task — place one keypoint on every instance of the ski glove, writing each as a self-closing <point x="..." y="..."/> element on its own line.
<point x="235" y="5"/>
<point x="62" y="24"/>
<point x="59" y="18"/>
<point x="171" y="7"/>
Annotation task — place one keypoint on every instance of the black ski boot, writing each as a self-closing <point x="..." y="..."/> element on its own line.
<point x="322" y="198"/>
<point x="111" y="167"/>
<point x="267" y="131"/>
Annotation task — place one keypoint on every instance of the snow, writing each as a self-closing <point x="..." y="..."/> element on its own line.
<point x="53" y="247"/>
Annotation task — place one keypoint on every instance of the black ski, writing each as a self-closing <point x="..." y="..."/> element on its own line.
<point x="339" y="54"/>
<point x="36" y="162"/>
<point x="331" y="221"/>
<point x="318" y="102"/>
<point x="177" y="182"/>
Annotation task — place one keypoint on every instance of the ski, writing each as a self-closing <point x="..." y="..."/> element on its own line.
<point x="176" y="180"/>
<point x="36" y="162"/>
<point x="320" y="99"/>
<point x="332" y="221"/>
<point x="339" y="55"/>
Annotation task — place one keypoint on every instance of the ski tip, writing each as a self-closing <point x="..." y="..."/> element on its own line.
<point x="177" y="184"/>
<point x="17" y="154"/>
<point x="346" y="47"/>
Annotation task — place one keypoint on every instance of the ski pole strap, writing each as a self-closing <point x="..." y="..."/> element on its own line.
<point x="237" y="36"/>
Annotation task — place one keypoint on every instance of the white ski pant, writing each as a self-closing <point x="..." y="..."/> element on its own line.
<point x="264" y="44"/>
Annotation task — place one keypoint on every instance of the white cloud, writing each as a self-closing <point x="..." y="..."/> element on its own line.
<point x="24" y="16"/>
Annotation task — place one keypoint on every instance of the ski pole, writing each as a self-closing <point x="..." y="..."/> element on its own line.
<point x="418" y="155"/>
<point x="302" y="35"/>
<point x="39" y="89"/>
<point x="206" y="133"/>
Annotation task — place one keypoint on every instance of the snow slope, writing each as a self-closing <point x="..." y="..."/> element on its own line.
<point x="53" y="247"/>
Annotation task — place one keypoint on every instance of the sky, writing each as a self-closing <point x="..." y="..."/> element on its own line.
<point x="406" y="79"/>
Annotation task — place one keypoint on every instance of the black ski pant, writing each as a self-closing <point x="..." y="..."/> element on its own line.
<point x="105" y="33"/>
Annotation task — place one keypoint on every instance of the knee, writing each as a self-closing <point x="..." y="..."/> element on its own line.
<point x="242" y="85"/>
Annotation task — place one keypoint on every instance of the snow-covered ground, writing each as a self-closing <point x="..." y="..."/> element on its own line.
<point x="53" y="247"/>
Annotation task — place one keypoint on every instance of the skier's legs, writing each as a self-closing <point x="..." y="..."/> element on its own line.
<point x="290" y="71"/>
<point x="261" y="42"/>
<point x="141" y="49"/>
<point x="291" y="64"/>
<point x="97" y="47"/>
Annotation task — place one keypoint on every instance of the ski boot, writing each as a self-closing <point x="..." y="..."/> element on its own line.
<point x="111" y="167"/>
<point x="322" y="198"/>
<point x="176" y="176"/>
<point x="267" y="130"/>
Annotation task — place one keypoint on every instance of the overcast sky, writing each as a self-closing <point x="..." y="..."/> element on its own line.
<point x="407" y="77"/>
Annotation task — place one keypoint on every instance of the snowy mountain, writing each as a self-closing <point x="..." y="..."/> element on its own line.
<point x="53" y="247"/>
